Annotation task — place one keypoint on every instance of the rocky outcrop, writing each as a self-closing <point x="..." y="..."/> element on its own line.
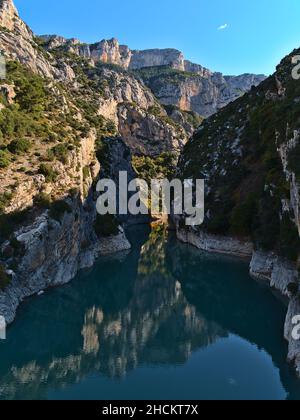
<point x="285" y="150"/>
<point x="294" y="345"/>
<point x="278" y="272"/>
<point x="122" y="88"/>
<point x="111" y="52"/>
<point x="9" y="19"/>
<point x="216" y="244"/>
<point x="53" y="251"/>
<point x="156" y="57"/>
<point x="21" y="46"/>
<point x="147" y="134"/>
<point x="284" y="277"/>
<point x="198" y="89"/>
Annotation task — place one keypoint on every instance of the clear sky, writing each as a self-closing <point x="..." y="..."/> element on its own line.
<point x="232" y="36"/>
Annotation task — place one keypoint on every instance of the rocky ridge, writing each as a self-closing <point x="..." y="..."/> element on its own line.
<point x="186" y="85"/>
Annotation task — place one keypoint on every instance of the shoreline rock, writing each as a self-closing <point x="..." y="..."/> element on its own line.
<point x="217" y="244"/>
<point x="54" y="253"/>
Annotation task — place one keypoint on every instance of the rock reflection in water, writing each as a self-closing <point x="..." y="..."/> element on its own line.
<point x="139" y="315"/>
<point x="153" y="307"/>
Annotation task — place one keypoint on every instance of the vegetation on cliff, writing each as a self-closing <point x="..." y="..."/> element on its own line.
<point x="240" y="152"/>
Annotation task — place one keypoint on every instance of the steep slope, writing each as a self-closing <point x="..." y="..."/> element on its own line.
<point x="58" y="113"/>
<point x="203" y="92"/>
<point x="248" y="155"/>
<point x="172" y="79"/>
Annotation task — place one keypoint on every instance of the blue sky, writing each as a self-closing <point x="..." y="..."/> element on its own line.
<point x="232" y="36"/>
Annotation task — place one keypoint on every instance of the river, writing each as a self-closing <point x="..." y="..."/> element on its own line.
<point x="163" y="321"/>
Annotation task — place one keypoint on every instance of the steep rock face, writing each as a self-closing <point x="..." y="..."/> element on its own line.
<point x="26" y="51"/>
<point x="141" y="121"/>
<point x="105" y="51"/>
<point x="279" y="272"/>
<point x="17" y="42"/>
<point x="198" y="90"/>
<point x="111" y="52"/>
<point x="156" y="57"/>
<point x="69" y="175"/>
<point x="147" y="134"/>
<point x="189" y="86"/>
<point x="190" y="67"/>
<point x="120" y="87"/>
<point x="294" y="345"/>
<point x="9" y="19"/>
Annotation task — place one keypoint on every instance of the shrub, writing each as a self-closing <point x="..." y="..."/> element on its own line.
<point x="49" y="173"/>
<point x="42" y="200"/>
<point x="106" y="225"/>
<point x="155" y="110"/>
<point x="18" y="247"/>
<point x="19" y="146"/>
<point x="61" y="152"/>
<point x="10" y="222"/>
<point x="86" y="172"/>
<point x="74" y="192"/>
<point x="4" y="278"/>
<point x="267" y="223"/>
<point x="289" y="238"/>
<point x="149" y="168"/>
<point x="4" y="200"/>
<point x="5" y="159"/>
<point x="58" y="209"/>
<point x="243" y="216"/>
<point x="293" y="288"/>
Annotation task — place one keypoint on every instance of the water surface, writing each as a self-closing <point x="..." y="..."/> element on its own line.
<point x="163" y="321"/>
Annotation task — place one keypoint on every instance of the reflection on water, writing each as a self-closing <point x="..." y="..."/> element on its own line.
<point x="164" y="321"/>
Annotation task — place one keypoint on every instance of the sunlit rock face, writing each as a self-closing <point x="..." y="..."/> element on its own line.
<point x="187" y="85"/>
<point x="157" y="57"/>
<point x="9" y="19"/>
<point x="198" y="90"/>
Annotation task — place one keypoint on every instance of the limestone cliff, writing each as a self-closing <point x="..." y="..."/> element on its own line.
<point x="10" y="20"/>
<point x="173" y="80"/>
<point x="198" y="90"/>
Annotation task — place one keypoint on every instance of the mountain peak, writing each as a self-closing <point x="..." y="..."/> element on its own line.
<point x="8" y="13"/>
<point x="9" y="19"/>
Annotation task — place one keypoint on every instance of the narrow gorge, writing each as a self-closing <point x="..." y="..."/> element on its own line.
<point x="73" y="113"/>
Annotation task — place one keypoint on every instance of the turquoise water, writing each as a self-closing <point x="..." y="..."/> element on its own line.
<point x="163" y="321"/>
